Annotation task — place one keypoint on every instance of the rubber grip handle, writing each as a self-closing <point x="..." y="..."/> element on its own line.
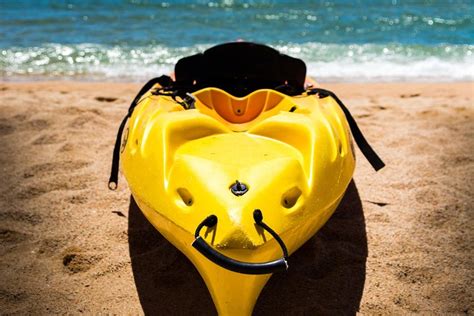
<point x="238" y="266"/>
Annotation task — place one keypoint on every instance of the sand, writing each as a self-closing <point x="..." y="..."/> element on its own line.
<point x="401" y="241"/>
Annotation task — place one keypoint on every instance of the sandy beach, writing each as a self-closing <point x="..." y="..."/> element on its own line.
<point x="400" y="242"/>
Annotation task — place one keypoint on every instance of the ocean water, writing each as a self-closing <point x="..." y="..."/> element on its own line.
<point x="340" y="40"/>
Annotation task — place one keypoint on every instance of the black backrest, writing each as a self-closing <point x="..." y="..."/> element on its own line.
<point x="240" y="68"/>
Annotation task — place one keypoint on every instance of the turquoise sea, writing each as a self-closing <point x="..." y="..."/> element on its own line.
<point x="340" y="40"/>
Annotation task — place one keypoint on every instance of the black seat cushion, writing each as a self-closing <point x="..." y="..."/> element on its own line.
<point x="241" y="68"/>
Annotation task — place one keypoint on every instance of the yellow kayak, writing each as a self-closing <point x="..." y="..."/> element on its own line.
<point x="237" y="164"/>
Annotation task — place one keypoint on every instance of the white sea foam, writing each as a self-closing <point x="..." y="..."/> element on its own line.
<point x="430" y="69"/>
<point x="325" y="62"/>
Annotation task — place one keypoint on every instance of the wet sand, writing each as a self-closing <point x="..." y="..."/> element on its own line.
<point x="401" y="241"/>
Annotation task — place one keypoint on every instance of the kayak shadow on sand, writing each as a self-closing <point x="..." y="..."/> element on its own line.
<point x="326" y="275"/>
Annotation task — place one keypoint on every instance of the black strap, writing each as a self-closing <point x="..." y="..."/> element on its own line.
<point x="163" y="81"/>
<point x="359" y="138"/>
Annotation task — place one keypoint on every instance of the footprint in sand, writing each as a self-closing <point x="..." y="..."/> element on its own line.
<point x="78" y="111"/>
<point x="429" y="195"/>
<point x="112" y="268"/>
<point x="423" y="148"/>
<point x="30" y="192"/>
<point x="20" y="117"/>
<point x="413" y="95"/>
<point x="429" y="113"/>
<point x="49" y="139"/>
<point x="82" y="120"/>
<point x="121" y="236"/>
<point x="57" y="183"/>
<point x="51" y="246"/>
<point x="6" y="128"/>
<point x="96" y="112"/>
<point x="361" y="116"/>
<point x="21" y="216"/>
<point x="67" y="147"/>
<point x="105" y="99"/>
<point x="13" y="296"/>
<point x="77" y="199"/>
<point x="410" y="274"/>
<point x="378" y="218"/>
<point x="442" y="216"/>
<point x="9" y="236"/>
<point x="50" y="168"/>
<point x="38" y="125"/>
<point x="75" y="260"/>
<point x="459" y="160"/>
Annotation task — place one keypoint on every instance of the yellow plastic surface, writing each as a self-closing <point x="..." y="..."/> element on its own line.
<point x="180" y="164"/>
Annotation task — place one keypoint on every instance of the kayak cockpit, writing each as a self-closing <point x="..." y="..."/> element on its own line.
<point x="233" y="110"/>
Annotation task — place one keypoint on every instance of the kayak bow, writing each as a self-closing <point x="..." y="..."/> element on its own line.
<point x="185" y="143"/>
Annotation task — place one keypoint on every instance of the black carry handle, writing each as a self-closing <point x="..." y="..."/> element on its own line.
<point x="359" y="138"/>
<point x="239" y="266"/>
<point x="163" y="81"/>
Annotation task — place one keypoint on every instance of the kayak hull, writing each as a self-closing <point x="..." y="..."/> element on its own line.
<point x="232" y="293"/>
<point x="294" y="154"/>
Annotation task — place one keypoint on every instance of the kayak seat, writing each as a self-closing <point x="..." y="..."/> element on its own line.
<point x="241" y="68"/>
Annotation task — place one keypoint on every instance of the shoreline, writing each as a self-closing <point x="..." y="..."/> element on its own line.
<point x="390" y="88"/>
<point x="399" y="243"/>
<point x="29" y="79"/>
<point x="402" y="90"/>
